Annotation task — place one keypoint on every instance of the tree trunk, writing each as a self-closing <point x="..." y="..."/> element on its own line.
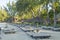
<point x="48" y="19"/>
<point x="32" y="13"/>
<point x="54" y="18"/>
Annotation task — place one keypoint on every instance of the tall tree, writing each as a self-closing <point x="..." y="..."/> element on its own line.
<point x="55" y="7"/>
<point x="26" y="6"/>
<point x="11" y="9"/>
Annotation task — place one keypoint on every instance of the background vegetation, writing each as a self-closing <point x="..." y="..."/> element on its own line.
<point x="40" y="12"/>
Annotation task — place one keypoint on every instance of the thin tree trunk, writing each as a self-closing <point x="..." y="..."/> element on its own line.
<point x="54" y="18"/>
<point x="32" y="13"/>
<point x="48" y="19"/>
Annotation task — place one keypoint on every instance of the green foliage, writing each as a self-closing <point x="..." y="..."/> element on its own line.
<point x="44" y="13"/>
<point x="26" y="5"/>
<point x="3" y="15"/>
<point x="28" y="9"/>
<point x="51" y="14"/>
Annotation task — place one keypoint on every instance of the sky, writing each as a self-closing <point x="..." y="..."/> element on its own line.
<point x="4" y="2"/>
